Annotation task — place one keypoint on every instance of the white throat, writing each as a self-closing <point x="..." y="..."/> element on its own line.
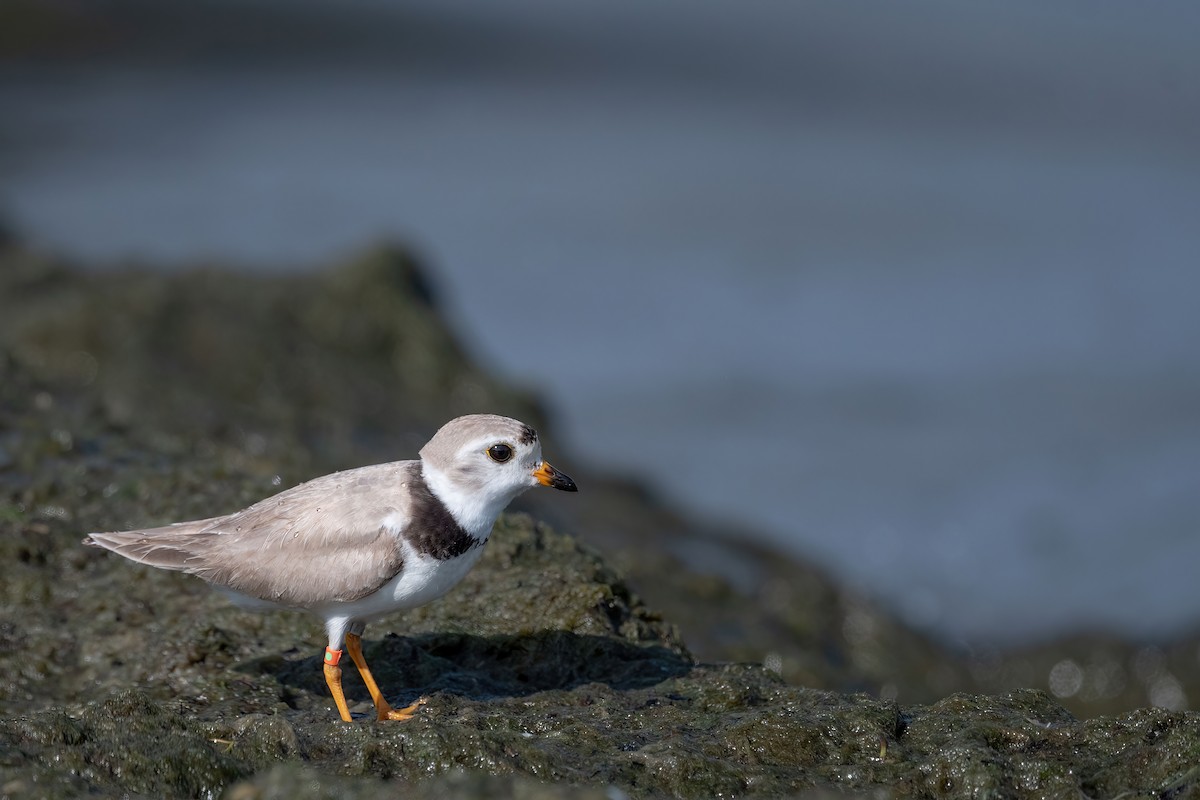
<point x="476" y="511"/>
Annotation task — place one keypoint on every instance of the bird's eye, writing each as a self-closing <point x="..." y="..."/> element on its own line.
<point x="500" y="453"/>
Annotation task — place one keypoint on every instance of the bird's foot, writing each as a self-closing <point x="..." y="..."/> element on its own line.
<point x="401" y="714"/>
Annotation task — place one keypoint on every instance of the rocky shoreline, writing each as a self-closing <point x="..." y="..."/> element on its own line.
<point x="640" y="655"/>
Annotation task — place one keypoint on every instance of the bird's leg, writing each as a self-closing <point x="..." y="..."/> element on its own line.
<point x="333" y="679"/>
<point x="384" y="709"/>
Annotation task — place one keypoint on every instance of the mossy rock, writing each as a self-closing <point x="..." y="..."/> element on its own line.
<point x="140" y="398"/>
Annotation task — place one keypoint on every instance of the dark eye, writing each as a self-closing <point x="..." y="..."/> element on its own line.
<point x="500" y="453"/>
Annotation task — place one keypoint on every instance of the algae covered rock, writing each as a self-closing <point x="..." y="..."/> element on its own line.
<point x="247" y="382"/>
<point x="134" y="398"/>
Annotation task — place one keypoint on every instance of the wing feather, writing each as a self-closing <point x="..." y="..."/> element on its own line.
<point x="334" y="538"/>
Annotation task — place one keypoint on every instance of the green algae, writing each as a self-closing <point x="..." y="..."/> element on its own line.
<point x="303" y="783"/>
<point x="710" y="731"/>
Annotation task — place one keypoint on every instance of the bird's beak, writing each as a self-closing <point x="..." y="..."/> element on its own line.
<point x="548" y="476"/>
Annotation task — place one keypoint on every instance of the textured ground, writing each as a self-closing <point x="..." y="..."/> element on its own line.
<point x="135" y="398"/>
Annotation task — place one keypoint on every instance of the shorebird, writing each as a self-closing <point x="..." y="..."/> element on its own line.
<point x="359" y="544"/>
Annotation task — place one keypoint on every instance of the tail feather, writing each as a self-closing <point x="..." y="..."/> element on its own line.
<point x="171" y="547"/>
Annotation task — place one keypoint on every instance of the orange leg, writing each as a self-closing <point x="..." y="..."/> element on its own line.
<point x="333" y="679"/>
<point x="385" y="711"/>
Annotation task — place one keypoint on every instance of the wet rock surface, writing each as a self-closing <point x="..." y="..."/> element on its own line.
<point x="129" y="398"/>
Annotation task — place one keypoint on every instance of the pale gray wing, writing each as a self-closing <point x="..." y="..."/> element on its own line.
<point x="335" y="538"/>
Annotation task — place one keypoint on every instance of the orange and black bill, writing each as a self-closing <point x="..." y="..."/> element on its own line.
<point x="549" y="476"/>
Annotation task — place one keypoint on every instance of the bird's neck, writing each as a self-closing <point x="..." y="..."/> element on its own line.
<point x="474" y="511"/>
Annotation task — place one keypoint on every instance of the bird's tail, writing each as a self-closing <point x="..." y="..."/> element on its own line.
<point x="169" y="547"/>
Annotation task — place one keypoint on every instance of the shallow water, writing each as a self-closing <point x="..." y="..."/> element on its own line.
<point x="910" y="293"/>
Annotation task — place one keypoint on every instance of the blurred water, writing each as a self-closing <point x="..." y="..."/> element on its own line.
<point x="911" y="291"/>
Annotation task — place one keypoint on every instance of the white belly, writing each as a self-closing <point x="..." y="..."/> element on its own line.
<point x="422" y="580"/>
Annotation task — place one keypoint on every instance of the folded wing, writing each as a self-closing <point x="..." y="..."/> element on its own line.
<point x="335" y="538"/>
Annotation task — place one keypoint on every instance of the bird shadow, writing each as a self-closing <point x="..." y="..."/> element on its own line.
<point x="485" y="667"/>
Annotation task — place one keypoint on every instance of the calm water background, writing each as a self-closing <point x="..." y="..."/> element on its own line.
<point x="912" y="290"/>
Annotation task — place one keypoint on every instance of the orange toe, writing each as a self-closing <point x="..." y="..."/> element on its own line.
<point x="401" y="714"/>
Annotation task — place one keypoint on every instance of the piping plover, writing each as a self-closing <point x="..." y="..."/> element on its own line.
<point x="355" y="545"/>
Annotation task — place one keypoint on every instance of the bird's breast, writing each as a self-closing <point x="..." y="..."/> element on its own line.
<point x="425" y="578"/>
